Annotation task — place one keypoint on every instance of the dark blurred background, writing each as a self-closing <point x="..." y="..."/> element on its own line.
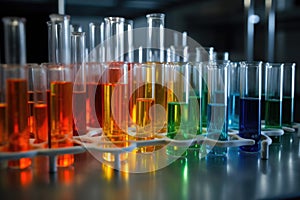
<point x="217" y="23"/>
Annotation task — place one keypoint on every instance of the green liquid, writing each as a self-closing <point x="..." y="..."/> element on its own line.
<point x="195" y="123"/>
<point x="204" y="102"/>
<point x="177" y="126"/>
<point x="273" y="117"/>
<point x="287" y="111"/>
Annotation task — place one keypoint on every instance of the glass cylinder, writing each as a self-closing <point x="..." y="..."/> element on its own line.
<point x="179" y="52"/>
<point x="96" y="39"/>
<point x="16" y="113"/>
<point x="273" y="92"/>
<point x="155" y="37"/>
<point x="14" y="40"/>
<point x="203" y="54"/>
<point x="250" y="103"/>
<point x="234" y="95"/>
<point x="3" y="133"/>
<point x="288" y="94"/>
<point x="60" y="78"/>
<point x="59" y="39"/>
<point x="79" y="88"/>
<point x="114" y="98"/>
<point x="37" y="78"/>
<point x="128" y="41"/>
<point x="114" y="35"/>
<point x="217" y="115"/>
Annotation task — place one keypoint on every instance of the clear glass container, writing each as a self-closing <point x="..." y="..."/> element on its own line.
<point x="14" y="40"/>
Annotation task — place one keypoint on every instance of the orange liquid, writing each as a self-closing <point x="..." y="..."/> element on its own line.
<point x="61" y="119"/>
<point x="17" y="120"/>
<point x="41" y="123"/>
<point x="3" y="133"/>
<point x="30" y="113"/>
<point x="49" y="118"/>
<point x="79" y="113"/>
<point x="93" y="105"/>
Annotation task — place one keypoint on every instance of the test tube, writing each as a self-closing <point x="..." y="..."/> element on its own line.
<point x="114" y="116"/>
<point x="114" y="35"/>
<point x="143" y="104"/>
<point x="16" y="116"/>
<point x="220" y="55"/>
<point x="79" y="87"/>
<point x="273" y="92"/>
<point x="3" y="132"/>
<point x="250" y="103"/>
<point x="288" y="94"/>
<point x="59" y="39"/>
<point x="96" y="39"/>
<point x="60" y="78"/>
<point x="14" y="40"/>
<point x="217" y="114"/>
<point x="155" y="37"/>
<point x="234" y="95"/>
<point x="38" y="81"/>
<point x="178" y="84"/>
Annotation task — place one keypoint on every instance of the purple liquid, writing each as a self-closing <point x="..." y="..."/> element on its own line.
<point x="250" y="122"/>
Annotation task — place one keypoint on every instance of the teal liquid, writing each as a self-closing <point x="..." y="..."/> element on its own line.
<point x="217" y="127"/>
<point x="273" y="115"/>
<point x="204" y="106"/>
<point x="234" y="111"/>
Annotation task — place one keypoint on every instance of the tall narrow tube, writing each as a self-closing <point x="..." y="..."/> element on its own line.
<point x="14" y="40"/>
<point x="114" y="35"/>
<point x="155" y="37"/>
<point x="59" y="39"/>
<point x="96" y="39"/>
<point x="79" y="87"/>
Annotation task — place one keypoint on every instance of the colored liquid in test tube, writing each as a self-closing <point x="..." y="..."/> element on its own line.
<point x="17" y="122"/>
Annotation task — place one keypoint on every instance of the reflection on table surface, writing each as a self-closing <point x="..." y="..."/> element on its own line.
<point x="239" y="176"/>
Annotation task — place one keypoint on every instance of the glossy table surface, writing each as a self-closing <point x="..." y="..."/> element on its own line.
<point x="238" y="176"/>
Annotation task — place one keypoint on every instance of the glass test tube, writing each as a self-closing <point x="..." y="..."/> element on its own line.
<point x="273" y="92"/>
<point x="16" y="115"/>
<point x="155" y="37"/>
<point x="38" y="81"/>
<point x="60" y="78"/>
<point x="79" y="86"/>
<point x="217" y="114"/>
<point x="250" y="103"/>
<point x="14" y="40"/>
<point x="96" y="39"/>
<point x="288" y="94"/>
<point x="114" y="116"/>
<point x="220" y="55"/>
<point x="178" y="84"/>
<point x="59" y="39"/>
<point x="114" y="35"/>
<point x="234" y="95"/>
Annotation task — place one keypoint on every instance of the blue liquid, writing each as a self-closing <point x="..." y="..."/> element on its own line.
<point x="250" y="122"/>
<point x="234" y="110"/>
<point x="217" y="127"/>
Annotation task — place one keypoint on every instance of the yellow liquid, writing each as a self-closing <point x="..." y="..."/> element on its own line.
<point x="145" y="119"/>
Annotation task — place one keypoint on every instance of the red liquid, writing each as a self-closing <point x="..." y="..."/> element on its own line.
<point x="17" y="120"/>
<point x="41" y="123"/>
<point x="30" y="113"/>
<point x="93" y="105"/>
<point x="3" y="133"/>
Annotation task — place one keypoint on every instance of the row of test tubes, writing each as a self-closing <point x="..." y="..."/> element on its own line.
<point x="178" y="91"/>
